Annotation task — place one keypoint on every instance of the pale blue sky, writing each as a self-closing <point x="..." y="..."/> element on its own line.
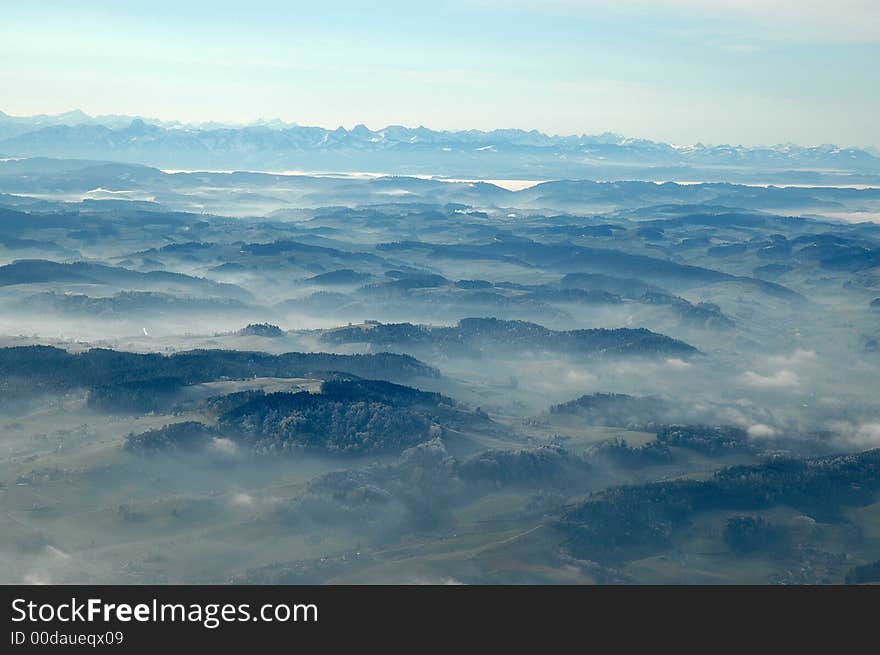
<point x="716" y="71"/>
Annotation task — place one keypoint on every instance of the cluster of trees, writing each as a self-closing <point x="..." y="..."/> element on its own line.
<point x="615" y="409"/>
<point x="543" y="466"/>
<point x="748" y="534"/>
<point x="348" y="417"/>
<point x="621" y="454"/>
<point x="261" y="330"/>
<point x="631" y="521"/>
<point x="334" y="427"/>
<point x="183" y="436"/>
<point x="713" y="440"/>
<point x="380" y="334"/>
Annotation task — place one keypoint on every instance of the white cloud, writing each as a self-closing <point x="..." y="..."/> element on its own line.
<point x="37" y="578"/>
<point x="224" y="446"/>
<point x="797" y="358"/>
<point x="866" y="435"/>
<point x="242" y="499"/>
<point x="779" y="380"/>
<point x="760" y="431"/>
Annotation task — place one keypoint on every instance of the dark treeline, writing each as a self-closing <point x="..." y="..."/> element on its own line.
<point x="634" y="521"/>
<point x="141" y="382"/>
<point x="493" y="332"/>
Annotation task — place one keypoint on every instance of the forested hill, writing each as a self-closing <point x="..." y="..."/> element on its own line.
<point x="141" y="381"/>
<point x="492" y="332"/>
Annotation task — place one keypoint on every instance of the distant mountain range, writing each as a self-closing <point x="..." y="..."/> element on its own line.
<point x="507" y="153"/>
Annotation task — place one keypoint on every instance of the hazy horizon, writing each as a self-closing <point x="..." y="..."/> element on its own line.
<point x="172" y="121"/>
<point x="678" y="71"/>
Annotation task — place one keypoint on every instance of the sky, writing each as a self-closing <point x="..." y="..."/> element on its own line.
<point x="682" y="71"/>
